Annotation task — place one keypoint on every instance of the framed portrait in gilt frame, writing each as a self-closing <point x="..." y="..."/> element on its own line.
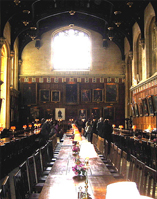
<point x="150" y="105"/>
<point x="55" y="96"/>
<point x="85" y="95"/>
<point x="72" y="93"/>
<point x="97" y="95"/>
<point x="29" y="93"/>
<point x="82" y="113"/>
<point x="111" y="93"/>
<point x="145" y="107"/>
<point x="95" y="113"/>
<point x="44" y="95"/>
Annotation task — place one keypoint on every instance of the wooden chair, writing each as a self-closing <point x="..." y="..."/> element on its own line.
<point x="124" y="165"/>
<point x="105" y="153"/>
<point x="94" y="140"/>
<point x="38" y="168"/>
<point x="33" y="183"/>
<point x="132" y="173"/>
<point x="101" y="147"/>
<point x="25" y="177"/>
<point x="20" y="190"/>
<point x="46" y="168"/>
<point x="150" y="182"/>
<point x="153" y="162"/>
<point x="139" y="175"/>
<point x="5" y="186"/>
<point x="98" y="143"/>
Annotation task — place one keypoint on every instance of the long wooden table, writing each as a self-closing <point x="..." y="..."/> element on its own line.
<point x="62" y="182"/>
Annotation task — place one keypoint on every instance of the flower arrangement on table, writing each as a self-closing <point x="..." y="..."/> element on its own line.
<point x="79" y="169"/>
<point x="75" y="149"/>
<point x="155" y="140"/>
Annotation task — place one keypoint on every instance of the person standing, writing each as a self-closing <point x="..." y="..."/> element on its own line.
<point x="107" y="133"/>
<point x="100" y="127"/>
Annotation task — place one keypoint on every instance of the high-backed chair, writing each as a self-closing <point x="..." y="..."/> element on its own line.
<point x="94" y="140"/>
<point x="150" y="182"/>
<point x="5" y="186"/>
<point x="124" y="165"/>
<point x="20" y="190"/>
<point x="33" y="183"/>
<point x="98" y="143"/>
<point x="38" y="168"/>
<point x="132" y="170"/>
<point x="139" y="175"/>
<point x="101" y="147"/>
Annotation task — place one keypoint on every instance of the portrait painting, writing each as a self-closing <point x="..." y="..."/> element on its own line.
<point x="29" y="93"/>
<point x="86" y="95"/>
<point x="95" y="113"/>
<point x="97" y="95"/>
<point x="133" y="110"/>
<point x="136" y="110"/>
<point x="155" y="102"/>
<point x="140" y="108"/>
<point x="109" y="112"/>
<point x="150" y="105"/>
<point x="55" y="96"/>
<point x="72" y="93"/>
<point x="44" y="95"/>
<point x="82" y="113"/>
<point x="60" y="113"/>
<point x="145" y="107"/>
<point x="111" y="94"/>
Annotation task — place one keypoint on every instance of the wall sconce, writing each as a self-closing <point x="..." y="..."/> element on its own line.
<point x="110" y="33"/>
<point x="118" y="21"/>
<point x="72" y="12"/>
<point x="17" y="2"/>
<point x="129" y="3"/>
<point x="33" y="32"/>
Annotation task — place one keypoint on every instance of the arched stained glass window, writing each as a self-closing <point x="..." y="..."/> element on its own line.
<point x="71" y="51"/>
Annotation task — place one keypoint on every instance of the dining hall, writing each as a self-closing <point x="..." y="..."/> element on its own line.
<point x="78" y="99"/>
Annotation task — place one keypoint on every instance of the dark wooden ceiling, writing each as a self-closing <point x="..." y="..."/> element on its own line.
<point x="97" y="15"/>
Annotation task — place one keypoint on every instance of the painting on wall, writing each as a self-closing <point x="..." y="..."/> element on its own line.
<point x="145" y="107"/>
<point x="140" y="108"/>
<point x="44" y="95"/>
<point x="60" y="114"/>
<point x="150" y="105"/>
<point x="136" y="110"/>
<point x="55" y="96"/>
<point x="95" y="113"/>
<point x="82" y="113"/>
<point x="133" y="110"/>
<point x="97" y="95"/>
<point x="109" y="112"/>
<point x="111" y="94"/>
<point x="29" y="93"/>
<point x="72" y="93"/>
<point x="86" y="95"/>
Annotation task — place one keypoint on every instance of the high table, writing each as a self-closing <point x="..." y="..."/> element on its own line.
<point x="62" y="182"/>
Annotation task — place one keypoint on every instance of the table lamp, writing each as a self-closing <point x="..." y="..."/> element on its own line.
<point x="134" y="130"/>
